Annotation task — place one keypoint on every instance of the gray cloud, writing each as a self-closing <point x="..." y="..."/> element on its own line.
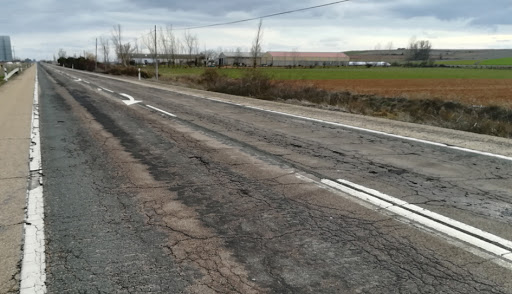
<point x="481" y="13"/>
<point x="44" y="24"/>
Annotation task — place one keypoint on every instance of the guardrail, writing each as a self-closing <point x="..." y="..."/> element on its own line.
<point x="9" y="75"/>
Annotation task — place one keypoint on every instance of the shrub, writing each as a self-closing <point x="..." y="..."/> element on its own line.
<point x="128" y="71"/>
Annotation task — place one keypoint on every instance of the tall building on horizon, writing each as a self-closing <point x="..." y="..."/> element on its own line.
<point x="5" y="48"/>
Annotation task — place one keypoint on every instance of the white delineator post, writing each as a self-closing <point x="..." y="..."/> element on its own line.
<point x="139" y="73"/>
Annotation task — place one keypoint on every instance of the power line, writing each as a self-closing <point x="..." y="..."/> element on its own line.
<point x="265" y="16"/>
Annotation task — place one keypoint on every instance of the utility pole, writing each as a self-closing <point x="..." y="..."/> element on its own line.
<point x="96" y="58"/>
<point x="156" y="57"/>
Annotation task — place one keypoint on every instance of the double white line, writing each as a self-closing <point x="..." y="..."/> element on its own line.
<point x="485" y="241"/>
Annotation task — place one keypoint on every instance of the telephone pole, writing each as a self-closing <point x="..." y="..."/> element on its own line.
<point x="156" y="57"/>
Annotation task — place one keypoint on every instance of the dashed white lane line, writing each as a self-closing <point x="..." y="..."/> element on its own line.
<point x="33" y="268"/>
<point x="485" y="241"/>
<point x="162" y="111"/>
<point x="105" y="89"/>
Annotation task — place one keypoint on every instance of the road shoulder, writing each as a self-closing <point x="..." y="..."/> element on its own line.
<point x="15" y="120"/>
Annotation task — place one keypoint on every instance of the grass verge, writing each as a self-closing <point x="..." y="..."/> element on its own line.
<point x="337" y="73"/>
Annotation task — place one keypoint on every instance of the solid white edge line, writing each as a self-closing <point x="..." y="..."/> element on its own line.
<point x="162" y="111"/>
<point x="364" y="130"/>
<point x="346" y="126"/>
<point x="33" y="275"/>
<point x="427" y="222"/>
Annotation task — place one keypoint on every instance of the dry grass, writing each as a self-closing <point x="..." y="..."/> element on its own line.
<point x="489" y="119"/>
<point x="482" y="92"/>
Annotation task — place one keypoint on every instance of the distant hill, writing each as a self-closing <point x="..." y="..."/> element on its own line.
<point x="436" y="54"/>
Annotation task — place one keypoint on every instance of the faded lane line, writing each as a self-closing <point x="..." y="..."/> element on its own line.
<point x="33" y="266"/>
<point x="107" y="90"/>
<point x="485" y="241"/>
<point x="162" y="111"/>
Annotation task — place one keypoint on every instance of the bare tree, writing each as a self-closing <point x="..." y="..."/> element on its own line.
<point x="170" y="44"/>
<point x="163" y="45"/>
<point x="256" y="45"/>
<point x="105" y="47"/>
<point x="418" y="50"/>
<point x="190" y="43"/>
<point x="62" y="53"/>
<point x="149" y="42"/>
<point x="238" y="57"/>
<point x="389" y="46"/>
<point x="295" y="56"/>
<point x="90" y="56"/>
<point x="123" y="50"/>
<point x="210" y="56"/>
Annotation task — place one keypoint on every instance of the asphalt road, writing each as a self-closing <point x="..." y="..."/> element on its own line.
<point x="210" y="197"/>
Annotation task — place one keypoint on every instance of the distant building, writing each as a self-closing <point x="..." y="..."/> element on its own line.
<point x="238" y="59"/>
<point x="305" y="59"/>
<point x="177" y="59"/>
<point x="5" y="48"/>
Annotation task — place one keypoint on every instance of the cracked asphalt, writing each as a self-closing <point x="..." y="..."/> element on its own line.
<point x="225" y="199"/>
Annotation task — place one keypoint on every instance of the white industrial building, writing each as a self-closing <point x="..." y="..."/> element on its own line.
<point x="178" y="59"/>
<point x="305" y="59"/>
<point x="238" y="59"/>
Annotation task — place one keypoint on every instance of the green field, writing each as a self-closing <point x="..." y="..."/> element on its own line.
<point x="499" y="61"/>
<point x="355" y="73"/>
<point x="458" y="62"/>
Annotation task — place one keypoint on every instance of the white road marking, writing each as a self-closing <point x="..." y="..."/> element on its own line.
<point x="347" y="126"/>
<point x="99" y="89"/>
<point x="105" y="89"/>
<point x="131" y="99"/>
<point x="363" y="129"/>
<point x="86" y="82"/>
<point x="33" y="274"/>
<point x="162" y="111"/>
<point x="487" y="242"/>
<point x="78" y="80"/>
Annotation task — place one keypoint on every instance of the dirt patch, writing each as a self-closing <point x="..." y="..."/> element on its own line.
<point x="484" y="92"/>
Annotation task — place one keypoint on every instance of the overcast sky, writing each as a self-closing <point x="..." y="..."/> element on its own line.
<point x="38" y="28"/>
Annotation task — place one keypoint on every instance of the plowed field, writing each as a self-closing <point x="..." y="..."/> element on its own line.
<point x="468" y="91"/>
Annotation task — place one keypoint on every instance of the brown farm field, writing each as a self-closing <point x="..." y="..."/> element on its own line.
<point x="484" y="92"/>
